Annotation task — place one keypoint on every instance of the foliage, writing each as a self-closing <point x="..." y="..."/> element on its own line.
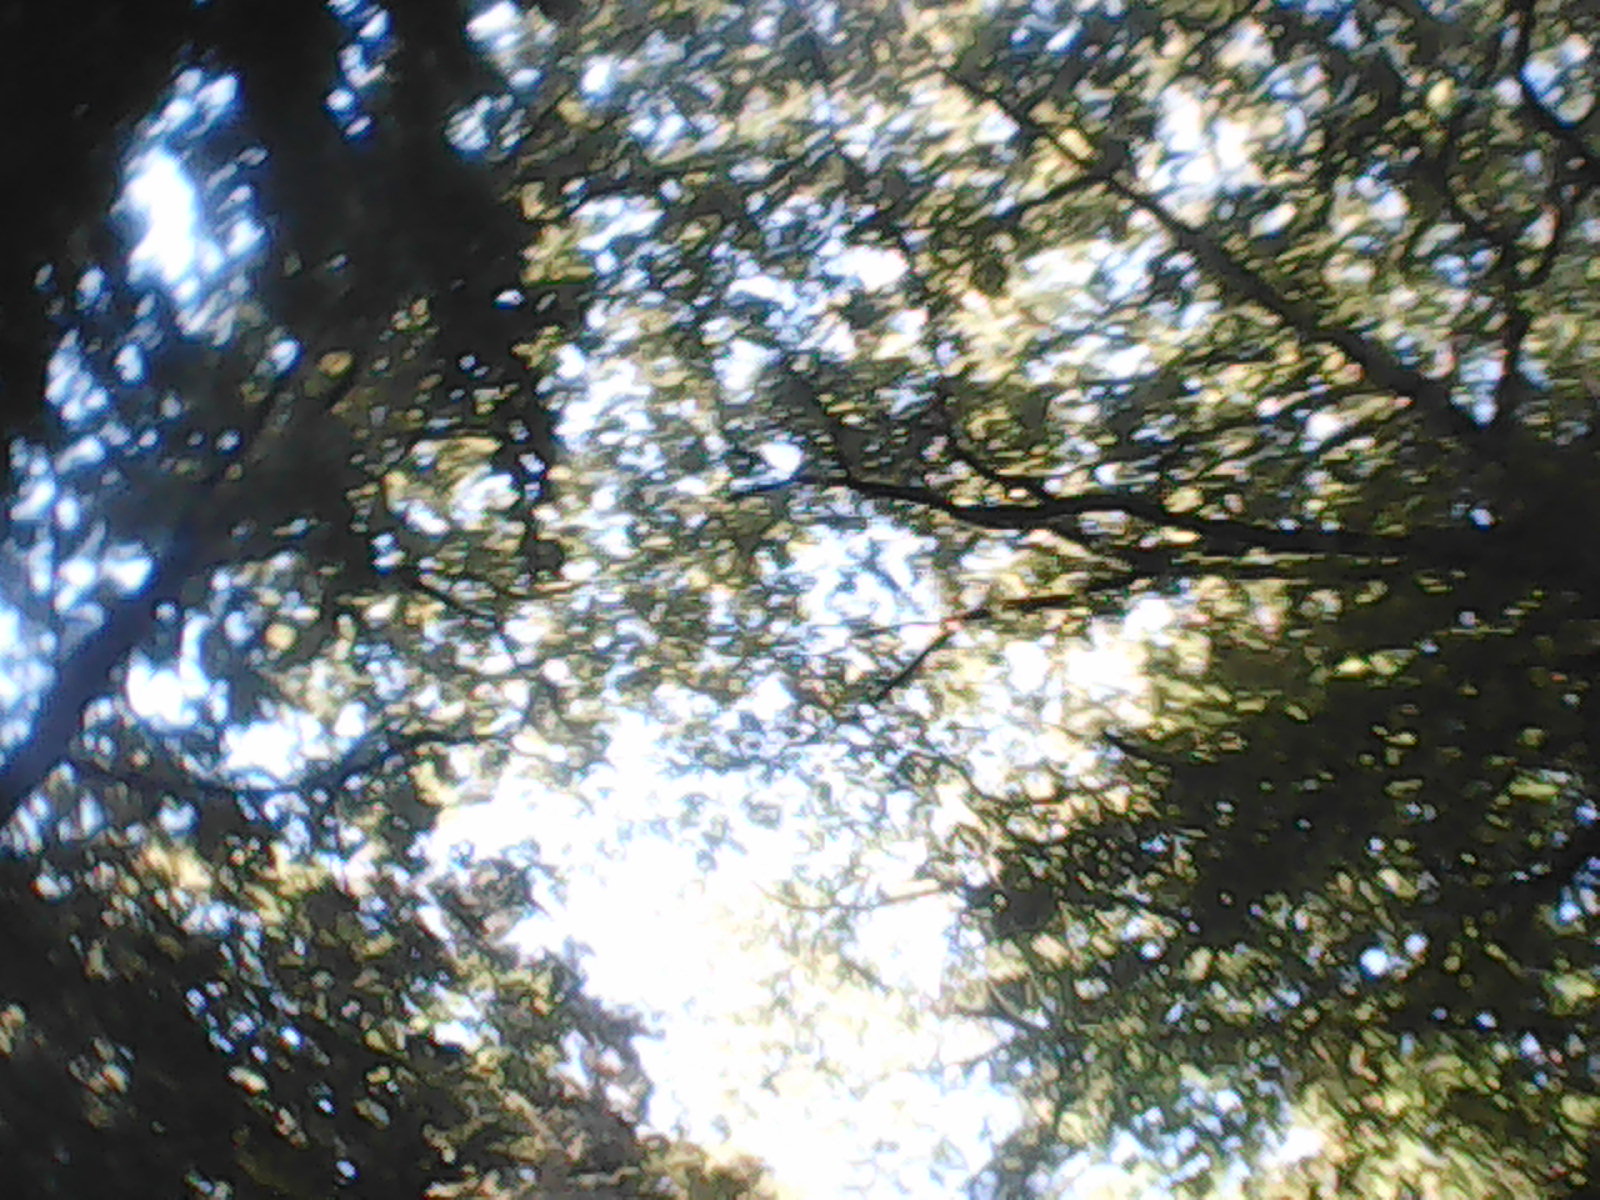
<point x="908" y="357"/>
<point x="286" y="500"/>
<point x="1263" y="323"/>
<point x="255" y="1027"/>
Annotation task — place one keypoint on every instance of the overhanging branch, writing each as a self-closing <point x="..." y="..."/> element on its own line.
<point x="198" y="545"/>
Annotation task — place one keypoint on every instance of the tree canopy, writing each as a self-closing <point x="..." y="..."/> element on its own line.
<point x="1138" y="456"/>
<point x="226" y="977"/>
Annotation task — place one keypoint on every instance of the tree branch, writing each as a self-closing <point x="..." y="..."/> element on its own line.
<point x="1222" y="536"/>
<point x="198" y="544"/>
<point x="1245" y="281"/>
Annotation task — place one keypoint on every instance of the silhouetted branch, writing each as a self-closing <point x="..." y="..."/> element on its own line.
<point x="198" y="544"/>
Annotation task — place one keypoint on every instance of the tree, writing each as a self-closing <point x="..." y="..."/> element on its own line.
<point x="415" y="212"/>
<point x="1271" y="318"/>
<point x="257" y="1027"/>
<point x="407" y="213"/>
<point x="1260" y="326"/>
<point x="222" y="979"/>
